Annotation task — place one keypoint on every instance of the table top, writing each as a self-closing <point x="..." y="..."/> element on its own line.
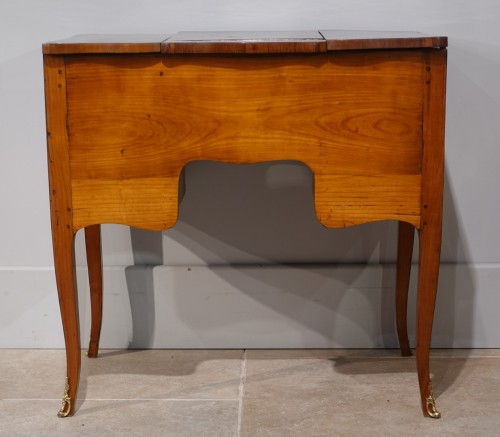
<point x="245" y="42"/>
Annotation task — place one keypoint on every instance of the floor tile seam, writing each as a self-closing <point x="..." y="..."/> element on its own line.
<point x="128" y="399"/>
<point x="241" y="390"/>
<point x="329" y="357"/>
<point x="464" y="355"/>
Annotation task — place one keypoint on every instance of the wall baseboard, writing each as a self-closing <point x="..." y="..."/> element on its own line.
<point x="310" y="306"/>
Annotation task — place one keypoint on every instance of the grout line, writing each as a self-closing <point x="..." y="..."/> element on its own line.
<point x="129" y="399"/>
<point x="241" y="391"/>
<point x="375" y="357"/>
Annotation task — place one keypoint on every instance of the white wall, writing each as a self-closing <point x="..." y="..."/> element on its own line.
<point x="250" y="215"/>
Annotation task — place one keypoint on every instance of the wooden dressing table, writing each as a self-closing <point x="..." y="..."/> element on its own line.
<point x="364" y="110"/>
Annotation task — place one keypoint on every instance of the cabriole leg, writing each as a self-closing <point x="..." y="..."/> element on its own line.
<point x="66" y="288"/>
<point x="94" y="263"/>
<point x="405" y="250"/>
<point x="430" y="242"/>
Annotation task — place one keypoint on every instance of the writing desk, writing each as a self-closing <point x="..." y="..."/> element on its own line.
<point x="364" y="110"/>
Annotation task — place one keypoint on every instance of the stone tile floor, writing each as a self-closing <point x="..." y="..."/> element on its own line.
<point x="250" y="393"/>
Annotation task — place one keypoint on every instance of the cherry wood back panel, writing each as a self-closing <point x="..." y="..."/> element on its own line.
<point x="355" y="118"/>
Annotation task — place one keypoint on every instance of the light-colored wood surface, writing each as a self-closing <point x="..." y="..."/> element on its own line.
<point x="61" y="214"/>
<point x="124" y="119"/>
<point x="94" y="263"/>
<point x="360" y="133"/>
<point x="432" y="210"/>
<point x="406" y="234"/>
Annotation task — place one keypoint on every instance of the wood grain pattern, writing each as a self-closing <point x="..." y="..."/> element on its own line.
<point x="347" y="200"/>
<point x="245" y="42"/>
<point x="124" y="119"/>
<point x="345" y="114"/>
<point x="370" y="40"/>
<point x="61" y="215"/>
<point x="406" y="234"/>
<point x="432" y="211"/>
<point x="148" y="202"/>
<point x="94" y="263"/>
<point x="98" y="43"/>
